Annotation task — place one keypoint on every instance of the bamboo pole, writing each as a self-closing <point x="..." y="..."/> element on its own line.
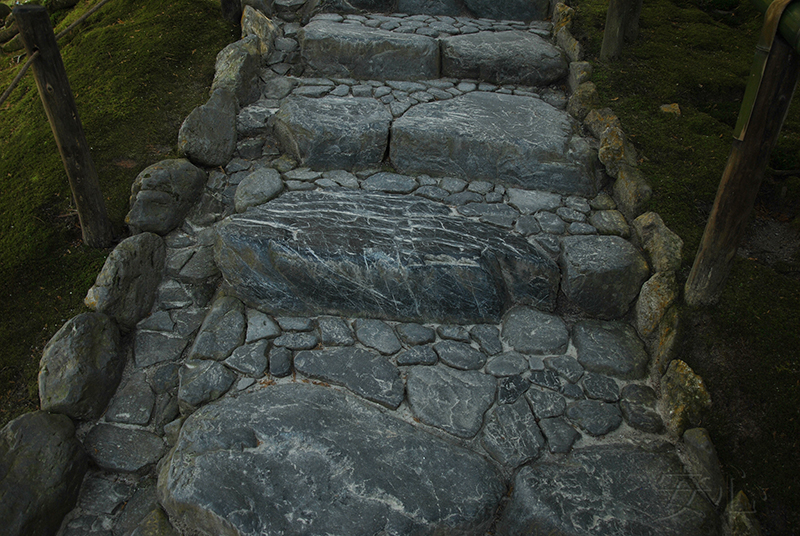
<point x="36" y="33"/>
<point x="743" y="175"/>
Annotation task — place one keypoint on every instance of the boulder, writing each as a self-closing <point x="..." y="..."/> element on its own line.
<point x="615" y="150"/>
<point x="222" y="331"/>
<point x="201" y="381"/>
<point x="237" y="69"/>
<point x="42" y="466"/>
<point x="602" y="274"/>
<point x="257" y="188"/>
<point x="125" y="450"/>
<point x="684" y="397"/>
<point x="700" y="458"/>
<point x="125" y="288"/>
<point x="334" y="132"/>
<point x="513" y="57"/>
<point x="611" y="348"/>
<point x="256" y="23"/>
<point x="327" y="463"/>
<point x="571" y="47"/>
<point x="661" y="244"/>
<point x="606" y="490"/>
<point x="657" y="295"/>
<point x="632" y="192"/>
<point x="580" y="72"/>
<point x="208" y="135"/>
<point x="133" y="402"/>
<point x="474" y="136"/>
<point x="162" y="195"/>
<point x="354" y="51"/>
<point x="81" y="367"/>
<point x="582" y="101"/>
<point x="366" y="254"/>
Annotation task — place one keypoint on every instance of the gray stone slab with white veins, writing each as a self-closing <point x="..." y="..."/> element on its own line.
<point x="371" y="254"/>
<point x="333" y="132"/>
<point x="327" y="464"/>
<point x="450" y="399"/>
<point x="474" y="136"/>
<point x="602" y="274"/>
<point x="513" y="57"/>
<point x="511" y="436"/>
<point x="648" y="492"/>
<point x="348" y="50"/>
<point x="365" y="373"/>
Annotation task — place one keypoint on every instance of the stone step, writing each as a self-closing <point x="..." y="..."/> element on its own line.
<point x="516" y="10"/>
<point x="471" y="136"/>
<point x="511" y="139"/>
<point x="355" y="253"/>
<point x="351" y="50"/>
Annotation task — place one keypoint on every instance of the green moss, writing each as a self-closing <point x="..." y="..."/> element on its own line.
<point x="136" y="68"/>
<point x="693" y="53"/>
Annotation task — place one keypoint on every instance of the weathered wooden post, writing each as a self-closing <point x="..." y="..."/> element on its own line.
<point x="622" y="22"/>
<point x="764" y="109"/>
<point x="36" y="33"/>
<point x="232" y="11"/>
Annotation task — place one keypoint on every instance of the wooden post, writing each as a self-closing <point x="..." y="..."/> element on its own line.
<point x="36" y="33"/>
<point x="232" y="11"/>
<point x="622" y="21"/>
<point x="742" y="177"/>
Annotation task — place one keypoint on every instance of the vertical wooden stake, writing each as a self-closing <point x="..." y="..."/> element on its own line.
<point x="36" y="33"/>
<point x="232" y="11"/>
<point x="742" y="177"/>
<point x="622" y="20"/>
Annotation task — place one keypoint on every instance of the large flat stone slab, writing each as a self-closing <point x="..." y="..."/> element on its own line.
<point x="354" y="51"/>
<point x="608" y="490"/>
<point x="334" y="132"/>
<point x="303" y="459"/>
<point x="512" y="57"/>
<point x="478" y="137"/>
<point x="350" y="253"/>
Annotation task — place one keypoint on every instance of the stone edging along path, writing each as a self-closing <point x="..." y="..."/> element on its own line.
<point x="290" y="345"/>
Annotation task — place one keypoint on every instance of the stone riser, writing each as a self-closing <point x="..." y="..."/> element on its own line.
<point x="330" y="48"/>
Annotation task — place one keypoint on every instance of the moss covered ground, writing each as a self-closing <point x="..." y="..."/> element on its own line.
<point x="697" y="53"/>
<point x="137" y="68"/>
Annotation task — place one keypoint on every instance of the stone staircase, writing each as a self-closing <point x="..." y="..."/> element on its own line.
<point x="401" y="305"/>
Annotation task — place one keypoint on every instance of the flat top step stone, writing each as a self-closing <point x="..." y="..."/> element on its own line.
<point x="333" y="132"/>
<point x="355" y="51"/>
<point x="378" y="255"/>
<point x="304" y="459"/>
<point x="513" y="57"/>
<point x="517" y="140"/>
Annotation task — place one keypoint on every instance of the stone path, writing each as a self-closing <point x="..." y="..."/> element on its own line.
<point x="401" y="303"/>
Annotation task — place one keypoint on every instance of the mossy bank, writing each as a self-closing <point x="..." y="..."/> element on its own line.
<point x="136" y="68"/>
<point x="697" y="54"/>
